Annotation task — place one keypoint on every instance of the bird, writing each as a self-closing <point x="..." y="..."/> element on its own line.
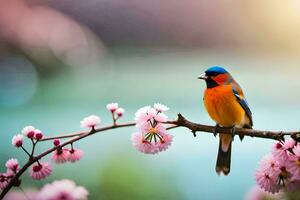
<point x="226" y="104"/>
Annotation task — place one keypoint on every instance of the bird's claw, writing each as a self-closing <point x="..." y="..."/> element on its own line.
<point x="232" y="131"/>
<point x="215" y="130"/>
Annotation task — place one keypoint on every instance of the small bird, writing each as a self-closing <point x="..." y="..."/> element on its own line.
<point x="226" y="105"/>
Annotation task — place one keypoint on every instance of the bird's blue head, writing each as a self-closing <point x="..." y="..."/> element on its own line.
<point x="216" y="76"/>
<point x="215" y="70"/>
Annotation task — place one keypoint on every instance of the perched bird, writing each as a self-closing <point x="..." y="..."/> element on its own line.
<point x="226" y="105"/>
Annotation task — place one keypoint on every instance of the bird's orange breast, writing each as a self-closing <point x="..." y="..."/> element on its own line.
<point x="222" y="106"/>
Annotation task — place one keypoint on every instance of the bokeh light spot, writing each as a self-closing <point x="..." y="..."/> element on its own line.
<point x="18" y="81"/>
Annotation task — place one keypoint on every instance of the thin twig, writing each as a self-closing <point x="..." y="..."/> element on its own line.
<point x="33" y="147"/>
<point x="63" y="136"/>
<point x="28" y="154"/>
<point x="114" y="118"/>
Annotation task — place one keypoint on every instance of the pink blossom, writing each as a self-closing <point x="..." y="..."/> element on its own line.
<point x="120" y="112"/>
<point x="3" y="181"/>
<point x="143" y="127"/>
<point x="63" y="189"/>
<point x="144" y="117"/>
<point x="279" y="152"/>
<point x="150" y="115"/>
<point x="152" y="136"/>
<point x="151" y="140"/>
<point x="294" y="163"/>
<point x="281" y="168"/>
<point x="284" y="175"/>
<point x="90" y="121"/>
<point x="40" y="170"/>
<point x="147" y="127"/>
<point x="142" y="145"/>
<point x="61" y="155"/>
<point x="269" y="164"/>
<point x="145" y="114"/>
<point x="296" y="150"/>
<point x="9" y="173"/>
<point x="160" y="107"/>
<point x="13" y="165"/>
<point x="289" y="144"/>
<point x="112" y="107"/>
<point x="266" y="181"/>
<point x="160" y="117"/>
<point x="268" y="173"/>
<point x="282" y="150"/>
<point x="75" y="155"/>
<point x="141" y="115"/>
<point x="38" y="134"/>
<point x="17" y="140"/>
<point x="151" y="112"/>
<point x="165" y="142"/>
<point x="28" y="131"/>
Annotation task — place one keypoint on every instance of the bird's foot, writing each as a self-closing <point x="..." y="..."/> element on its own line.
<point x="232" y="131"/>
<point x="216" y="129"/>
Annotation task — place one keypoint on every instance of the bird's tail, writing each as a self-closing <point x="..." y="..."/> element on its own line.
<point x="224" y="154"/>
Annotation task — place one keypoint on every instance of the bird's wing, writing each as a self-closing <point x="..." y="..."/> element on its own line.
<point x="238" y="93"/>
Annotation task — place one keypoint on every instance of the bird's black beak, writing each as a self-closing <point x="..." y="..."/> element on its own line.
<point x="203" y="76"/>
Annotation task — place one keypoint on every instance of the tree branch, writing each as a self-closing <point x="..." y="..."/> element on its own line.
<point x="15" y="179"/>
<point x="180" y="122"/>
<point x="275" y="135"/>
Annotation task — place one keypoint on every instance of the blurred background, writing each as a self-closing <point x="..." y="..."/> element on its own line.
<point x="61" y="60"/>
